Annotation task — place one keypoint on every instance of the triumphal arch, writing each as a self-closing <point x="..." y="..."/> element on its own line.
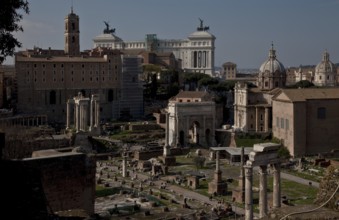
<point x="191" y="119"/>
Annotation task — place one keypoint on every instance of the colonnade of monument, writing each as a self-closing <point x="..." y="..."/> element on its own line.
<point x="84" y="109"/>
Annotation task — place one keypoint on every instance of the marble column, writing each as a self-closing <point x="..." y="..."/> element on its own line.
<point x="248" y="192"/>
<point x="242" y="171"/>
<point x="276" y="186"/>
<point x="68" y="111"/>
<point x="77" y="117"/>
<point x="124" y="168"/>
<point x="167" y="151"/>
<point x="263" y="191"/>
<point x="91" y="114"/>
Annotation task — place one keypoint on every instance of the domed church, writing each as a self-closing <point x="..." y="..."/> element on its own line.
<point x="253" y="106"/>
<point x="325" y="72"/>
<point x="272" y="73"/>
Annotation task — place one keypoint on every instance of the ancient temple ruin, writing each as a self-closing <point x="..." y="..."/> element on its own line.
<point x="86" y="115"/>
<point x="262" y="155"/>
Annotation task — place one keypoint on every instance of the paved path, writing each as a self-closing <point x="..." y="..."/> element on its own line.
<point x="299" y="180"/>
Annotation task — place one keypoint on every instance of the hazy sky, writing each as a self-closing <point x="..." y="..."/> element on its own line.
<point x="244" y="29"/>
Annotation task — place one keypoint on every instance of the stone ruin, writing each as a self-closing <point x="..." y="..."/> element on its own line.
<point x="262" y="155"/>
<point x="86" y="113"/>
<point x="217" y="185"/>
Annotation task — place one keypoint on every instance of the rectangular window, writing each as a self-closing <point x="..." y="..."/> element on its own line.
<point x="277" y="122"/>
<point x="287" y="126"/>
<point x="282" y="123"/>
<point x="321" y="113"/>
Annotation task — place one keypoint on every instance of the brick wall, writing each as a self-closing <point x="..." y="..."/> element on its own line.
<point x="68" y="180"/>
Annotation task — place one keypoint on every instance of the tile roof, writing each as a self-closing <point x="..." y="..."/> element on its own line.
<point x="301" y="95"/>
<point x="192" y="94"/>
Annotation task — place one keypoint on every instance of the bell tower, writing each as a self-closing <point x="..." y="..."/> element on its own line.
<point x="72" y="34"/>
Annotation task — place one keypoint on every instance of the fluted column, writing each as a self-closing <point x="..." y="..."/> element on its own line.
<point x="276" y="186"/>
<point x="91" y="114"/>
<point x="68" y="111"/>
<point x="248" y="193"/>
<point x="263" y="191"/>
<point x="77" y="117"/>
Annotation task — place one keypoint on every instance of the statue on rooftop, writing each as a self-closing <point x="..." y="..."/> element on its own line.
<point x="201" y="27"/>
<point x="107" y="30"/>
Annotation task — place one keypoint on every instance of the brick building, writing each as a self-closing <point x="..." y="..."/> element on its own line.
<point x="306" y="120"/>
<point x="48" y="78"/>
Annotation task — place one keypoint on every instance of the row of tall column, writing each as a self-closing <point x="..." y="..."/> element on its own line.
<point x="200" y="59"/>
<point x="81" y="106"/>
<point x="263" y="205"/>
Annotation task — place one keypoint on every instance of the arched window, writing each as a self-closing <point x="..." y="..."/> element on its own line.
<point x="52" y="97"/>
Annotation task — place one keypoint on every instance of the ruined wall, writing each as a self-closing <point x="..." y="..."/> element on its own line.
<point x="68" y="180"/>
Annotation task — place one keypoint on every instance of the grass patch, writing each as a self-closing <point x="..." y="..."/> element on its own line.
<point x="303" y="175"/>
<point x="296" y="193"/>
<point x="101" y="191"/>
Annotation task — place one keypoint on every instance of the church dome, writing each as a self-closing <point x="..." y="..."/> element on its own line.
<point x="272" y="73"/>
<point x="272" y="65"/>
<point x="325" y="66"/>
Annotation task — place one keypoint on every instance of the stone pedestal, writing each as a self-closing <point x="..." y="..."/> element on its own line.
<point x="238" y="195"/>
<point x="217" y="185"/>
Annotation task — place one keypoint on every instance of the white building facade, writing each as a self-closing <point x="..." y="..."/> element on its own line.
<point x="196" y="52"/>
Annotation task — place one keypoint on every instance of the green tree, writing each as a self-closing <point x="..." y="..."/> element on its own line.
<point x="10" y="16"/>
<point x="284" y="153"/>
<point x="207" y="81"/>
<point x="303" y="84"/>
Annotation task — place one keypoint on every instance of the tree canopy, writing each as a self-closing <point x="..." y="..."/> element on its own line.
<point x="10" y="15"/>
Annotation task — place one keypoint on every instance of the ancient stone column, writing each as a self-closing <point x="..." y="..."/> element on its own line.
<point x="217" y="162"/>
<point x="77" y="117"/>
<point x="267" y="118"/>
<point x="167" y="151"/>
<point x="248" y="193"/>
<point x="91" y="114"/>
<point x="242" y="176"/>
<point x="68" y="111"/>
<point x="124" y="168"/>
<point x="97" y="104"/>
<point x="263" y="191"/>
<point x="276" y="186"/>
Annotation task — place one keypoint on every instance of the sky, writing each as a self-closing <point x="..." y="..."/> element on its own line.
<point x="301" y="30"/>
